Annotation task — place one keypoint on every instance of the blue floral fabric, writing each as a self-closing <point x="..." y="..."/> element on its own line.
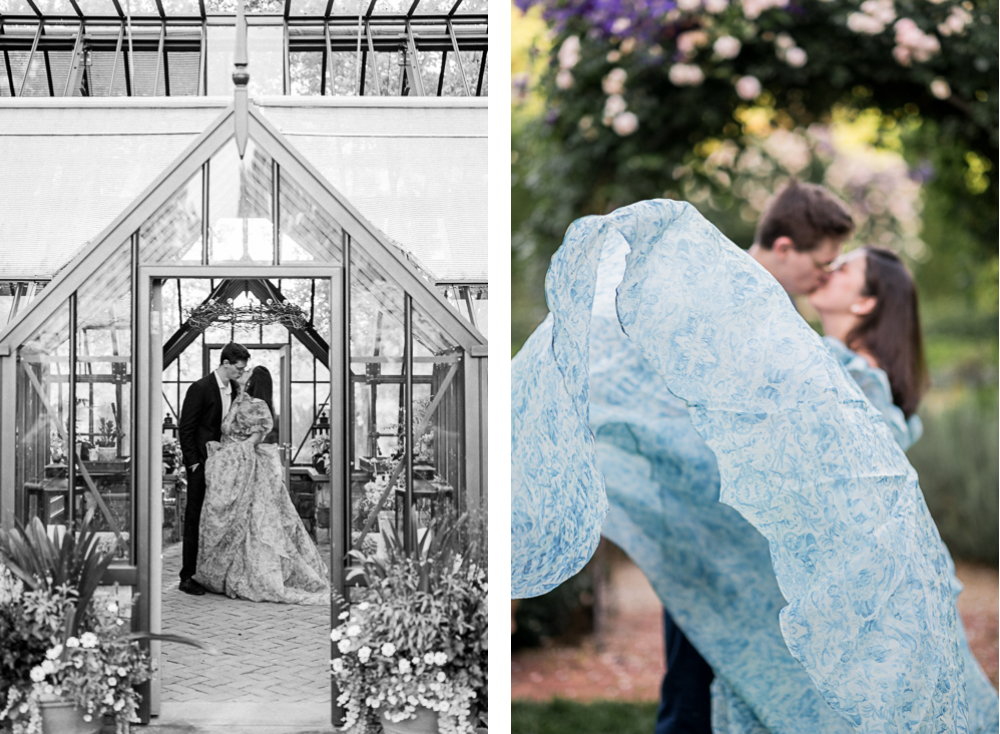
<point x="755" y="484"/>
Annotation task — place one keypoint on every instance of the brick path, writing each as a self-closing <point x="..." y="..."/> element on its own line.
<point x="263" y="652"/>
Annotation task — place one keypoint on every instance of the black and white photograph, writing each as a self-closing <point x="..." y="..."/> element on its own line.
<point x="244" y="311"/>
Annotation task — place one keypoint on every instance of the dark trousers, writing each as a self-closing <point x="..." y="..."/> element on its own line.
<point x="192" y="520"/>
<point x="685" y="701"/>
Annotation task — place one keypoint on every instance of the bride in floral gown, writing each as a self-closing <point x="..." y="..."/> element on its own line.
<point x="253" y="543"/>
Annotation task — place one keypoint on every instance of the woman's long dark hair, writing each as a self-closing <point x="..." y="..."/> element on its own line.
<point x="891" y="331"/>
<point x="260" y="386"/>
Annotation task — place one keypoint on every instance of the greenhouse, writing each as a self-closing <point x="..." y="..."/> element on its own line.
<point x="324" y="205"/>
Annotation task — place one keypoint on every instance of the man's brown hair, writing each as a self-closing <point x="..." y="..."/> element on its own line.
<point x="805" y="213"/>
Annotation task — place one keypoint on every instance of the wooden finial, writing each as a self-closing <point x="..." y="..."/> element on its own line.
<point x="241" y="77"/>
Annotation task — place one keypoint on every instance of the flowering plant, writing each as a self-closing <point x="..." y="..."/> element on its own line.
<point x="418" y="638"/>
<point x="56" y="639"/>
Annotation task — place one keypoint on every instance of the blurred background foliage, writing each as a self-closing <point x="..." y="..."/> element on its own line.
<point x="892" y="104"/>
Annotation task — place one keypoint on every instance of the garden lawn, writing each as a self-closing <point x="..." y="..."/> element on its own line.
<point x="569" y="717"/>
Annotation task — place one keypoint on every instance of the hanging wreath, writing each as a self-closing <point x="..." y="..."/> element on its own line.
<point x="263" y="314"/>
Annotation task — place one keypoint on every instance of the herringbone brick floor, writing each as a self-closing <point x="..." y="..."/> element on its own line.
<point x="262" y="652"/>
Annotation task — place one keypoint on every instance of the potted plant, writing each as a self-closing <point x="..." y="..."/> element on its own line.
<point x="320" y="453"/>
<point x="66" y="660"/>
<point x="413" y="648"/>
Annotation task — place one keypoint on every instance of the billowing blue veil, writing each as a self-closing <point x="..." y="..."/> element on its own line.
<point x="675" y="398"/>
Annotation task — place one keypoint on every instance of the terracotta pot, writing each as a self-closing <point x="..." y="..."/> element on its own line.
<point x="60" y="716"/>
<point x="426" y="722"/>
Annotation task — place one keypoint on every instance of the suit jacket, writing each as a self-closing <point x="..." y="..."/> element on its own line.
<point x="201" y="418"/>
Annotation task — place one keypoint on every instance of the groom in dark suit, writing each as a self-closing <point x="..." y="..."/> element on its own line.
<point x="206" y="403"/>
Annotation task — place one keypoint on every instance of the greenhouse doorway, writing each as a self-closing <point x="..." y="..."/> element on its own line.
<point x="266" y="657"/>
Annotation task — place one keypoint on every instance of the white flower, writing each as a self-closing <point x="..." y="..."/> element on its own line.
<point x="37" y="674"/>
<point x="688" y="5"/>
<point x="122" y="672"/>
<point x="110" y="698"/>
<point x="613" y="56"/>
<point x="748" y="87"/>
<point x="440" y="658"/>
<point x="344" y="615"/>
<point x="53" y="652"/>
<point x="113" y="607"/>
<point x="753" y="8"/>
<point x="337" y="664"/>
<point x="620" y="26"/>
<point x="88" y="639"/>
<point x="727" y="47"/>
<point x="690" y="41"/>
<point x="586" y="122"/>
<point x="112" y="681"/>
<point x="353" y="630"/>
<point x="686" y="75"/>
<point x="336" y="634"/>
<point x="913" y="43"/>
<point x="614" y="81"/>
<point x="440" y="676"/>
<point x="344" y="646"/>
<point x="72" y="642"/>
<point x="388" y="649"/>
<point x="364" y="653"/>
<point x="716" y="6"/>
<point x="569" y="53"/>
<point x="863" y="23"/>
<point x="614" y="105"/>
<point x="363" y="606"/>
<point x="956" y="22"/>
<point x="940" y="88"/>
<point x="625" y="124"/>
<point x="119" y="705"/>
<point x="428" y="658"/>
<point x="796" y="57"/>
<point x="628" y="45"/>
<point x="564" y="79"/>
<point x="404" y="666"/>
<point x="47" y="667"/>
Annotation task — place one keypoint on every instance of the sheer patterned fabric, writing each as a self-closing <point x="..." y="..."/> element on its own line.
<point x="253" y="544"/>
<point x="747" y="474"/>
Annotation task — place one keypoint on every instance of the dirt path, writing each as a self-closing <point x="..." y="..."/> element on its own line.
<point x="629" y="665"/>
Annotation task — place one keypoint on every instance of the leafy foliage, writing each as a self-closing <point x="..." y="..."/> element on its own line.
<point x="419" y="638"/>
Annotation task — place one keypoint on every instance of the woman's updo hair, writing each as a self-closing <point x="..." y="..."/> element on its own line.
<point x="890" y="332"/>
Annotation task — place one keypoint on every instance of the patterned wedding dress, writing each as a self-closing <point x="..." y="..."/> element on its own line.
<point x="253" y="544"/>
<point x="675" y="401"/>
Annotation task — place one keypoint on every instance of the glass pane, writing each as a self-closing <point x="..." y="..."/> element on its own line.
<point x="148" y="77"/>
<point x="346" y="74"/>
<point x="104" y="395"/>
<point x="305" y="72"/>
<point x="221" y="45"/>
<point x="15" y="7"/>
<point x="173" y="233"/>
<point x="469" y="7"/>
<point x="435" y="7"/>
<point x="376" y="355"/>
<point x="42" y="437"/>
<point x="55" y="7"/>
<point x="385" y="66"/>
<point x="240" y="226"/>
<point x="482" y="310"/>
<point x="308" y="7"/>
<point x="183" y="69"/>
<point x="453" y="84"/>
<point x="37" y="81"/>
<point x="308" y="232"/>
<point x="144" y="7"/>
<point x="105" y="75"/>
<point x="181" y="7"/>
<point x="267" y="56"/>
<point x="97" y="7"/>
<point x="349" y="7"/>
<point x="302" y="421"/>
